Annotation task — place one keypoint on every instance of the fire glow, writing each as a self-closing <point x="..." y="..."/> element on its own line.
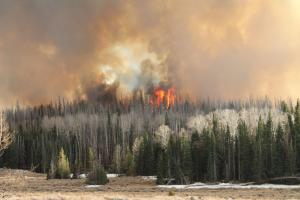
<point x="165" y="97"/>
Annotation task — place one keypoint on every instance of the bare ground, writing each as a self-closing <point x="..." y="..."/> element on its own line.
<point x="19" y="184"/>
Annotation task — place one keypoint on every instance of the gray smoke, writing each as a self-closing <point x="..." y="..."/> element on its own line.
<point x="223" y="49"/>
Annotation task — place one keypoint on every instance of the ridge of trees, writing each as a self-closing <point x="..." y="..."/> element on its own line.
<point x="203" y="141"/>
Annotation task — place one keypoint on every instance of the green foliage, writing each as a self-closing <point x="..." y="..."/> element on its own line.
<point x="196" y="156"/>
<point x="63" y="166"/>
<point x="245" y="153"/>
<point x="162" y="167"/>
<point x="186" y="160"/>
<point x="284" y="106"/>
<point x="128" y="164"/>
<point x="279" y="153"/>
<point x="97" y="176"/>
<point x="145" y="164"/>
<point x="258" y="148"/>
<point x="217" y="152"/>
<point x="297" y="135"/>
<point x="160" y="173"/>
<point x="267" y="141"/>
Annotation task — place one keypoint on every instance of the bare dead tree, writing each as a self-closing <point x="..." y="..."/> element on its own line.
<point x="6" y="136"/>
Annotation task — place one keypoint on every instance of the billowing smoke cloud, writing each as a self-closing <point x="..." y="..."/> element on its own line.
<point x="223" y="49"/>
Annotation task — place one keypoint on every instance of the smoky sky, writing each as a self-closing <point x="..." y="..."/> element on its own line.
<point x="210" y="48"/>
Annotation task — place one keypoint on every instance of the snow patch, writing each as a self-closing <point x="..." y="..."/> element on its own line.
<point x="82" y="176"/>
<point x="154" y="178"/>
<point x="229" y="186"/>
<point x="93" y="186"/>
<point x="112" y="175"/>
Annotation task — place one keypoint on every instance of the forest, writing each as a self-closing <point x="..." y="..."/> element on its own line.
<point x="187" y="142"/>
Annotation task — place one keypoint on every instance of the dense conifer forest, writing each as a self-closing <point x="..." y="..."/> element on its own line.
<point x="188" y="142"/>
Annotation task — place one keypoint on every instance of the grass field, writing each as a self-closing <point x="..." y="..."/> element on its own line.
<point x="19" y="184"/>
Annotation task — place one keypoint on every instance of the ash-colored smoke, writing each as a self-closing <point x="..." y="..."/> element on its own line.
<point x="221" y="49"/>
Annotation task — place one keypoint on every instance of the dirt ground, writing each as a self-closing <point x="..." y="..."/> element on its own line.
<point x="19" y="184"/>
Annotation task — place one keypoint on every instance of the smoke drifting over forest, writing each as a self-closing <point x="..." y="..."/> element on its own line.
<point x="223" y="49"/>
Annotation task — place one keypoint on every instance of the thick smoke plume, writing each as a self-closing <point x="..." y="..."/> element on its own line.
<point x="221" y="49"/>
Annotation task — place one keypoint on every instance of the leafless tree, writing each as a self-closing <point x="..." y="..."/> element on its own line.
<point x="6" y="135"/>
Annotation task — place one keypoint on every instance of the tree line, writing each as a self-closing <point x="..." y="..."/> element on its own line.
<point x="190" y="142"/>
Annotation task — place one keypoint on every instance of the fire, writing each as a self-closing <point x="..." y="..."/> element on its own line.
<point x="163" y="97"/>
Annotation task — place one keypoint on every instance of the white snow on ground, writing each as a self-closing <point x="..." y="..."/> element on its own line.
<point x="93" y="186"/>
<point x="229" y="186"/>
<point x="149" y="178"/>
<point x="82" y="176"/>
<point x="112" y="175"/>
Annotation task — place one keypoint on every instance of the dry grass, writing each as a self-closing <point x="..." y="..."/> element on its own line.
<point x="18" y="184"/>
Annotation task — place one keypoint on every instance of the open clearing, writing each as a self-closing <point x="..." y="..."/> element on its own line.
<point x="19" y="184"/>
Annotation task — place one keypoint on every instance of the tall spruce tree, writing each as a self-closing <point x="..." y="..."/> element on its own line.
<point x="245" y="153"/>
<point x="267" y="151"/>
<point x="297" y="135"/>
<point x="258" y="154"/>
<point x="279" y="153"/>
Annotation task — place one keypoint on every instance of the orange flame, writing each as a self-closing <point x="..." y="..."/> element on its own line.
<point x="163" y="97"/>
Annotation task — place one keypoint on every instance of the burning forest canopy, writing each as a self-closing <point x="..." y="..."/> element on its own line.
<point x="101" y="50"/>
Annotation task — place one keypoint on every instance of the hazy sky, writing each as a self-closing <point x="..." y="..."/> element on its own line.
<point x="224" y="49"/>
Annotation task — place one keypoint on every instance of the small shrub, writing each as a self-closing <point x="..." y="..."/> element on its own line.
<point x="171" y="193"/>
<point x="63" y="166"/>
<point x="97" y="176"/>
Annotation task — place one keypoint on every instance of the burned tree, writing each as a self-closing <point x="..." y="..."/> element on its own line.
<point x="6" y="135"/>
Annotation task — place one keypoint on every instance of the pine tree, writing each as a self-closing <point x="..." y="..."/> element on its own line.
<point x="245" y="155"/>
<point x="228" y="154"/>
<point x="97" y="176"/>
<point x="196" y="157"/>
<point x="63" y="166"/>
<point x="186" y="160"/>
<point x="279" y="153"/>
<point x="148" y="157"/>
<point x="160" y="170"/>
<point x="297" y="135"/>
<point x="291" y="145"/>
<point x="267" y="145"/>
<point x="258" y="154"/>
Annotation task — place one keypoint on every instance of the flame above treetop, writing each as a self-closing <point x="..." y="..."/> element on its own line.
<point x="163" y="97"/>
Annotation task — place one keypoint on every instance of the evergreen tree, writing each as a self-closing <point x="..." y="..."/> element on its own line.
<point x="186" y="159"/>
<point x="149" y="166"/>
<point x="279" y="153"/>
<point x="245" y="153"/>
<point x="196" y="157"/>
<point x="160" y="170"/>
<point x="297" y="135"/>
<point x="291" y="146"/>
<point x="228" y="154"/>
<point x="267" y="145"/>
<point x="97" y="176"/>
<point x="63" y="166"/>
<point x="258" y="154"/>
